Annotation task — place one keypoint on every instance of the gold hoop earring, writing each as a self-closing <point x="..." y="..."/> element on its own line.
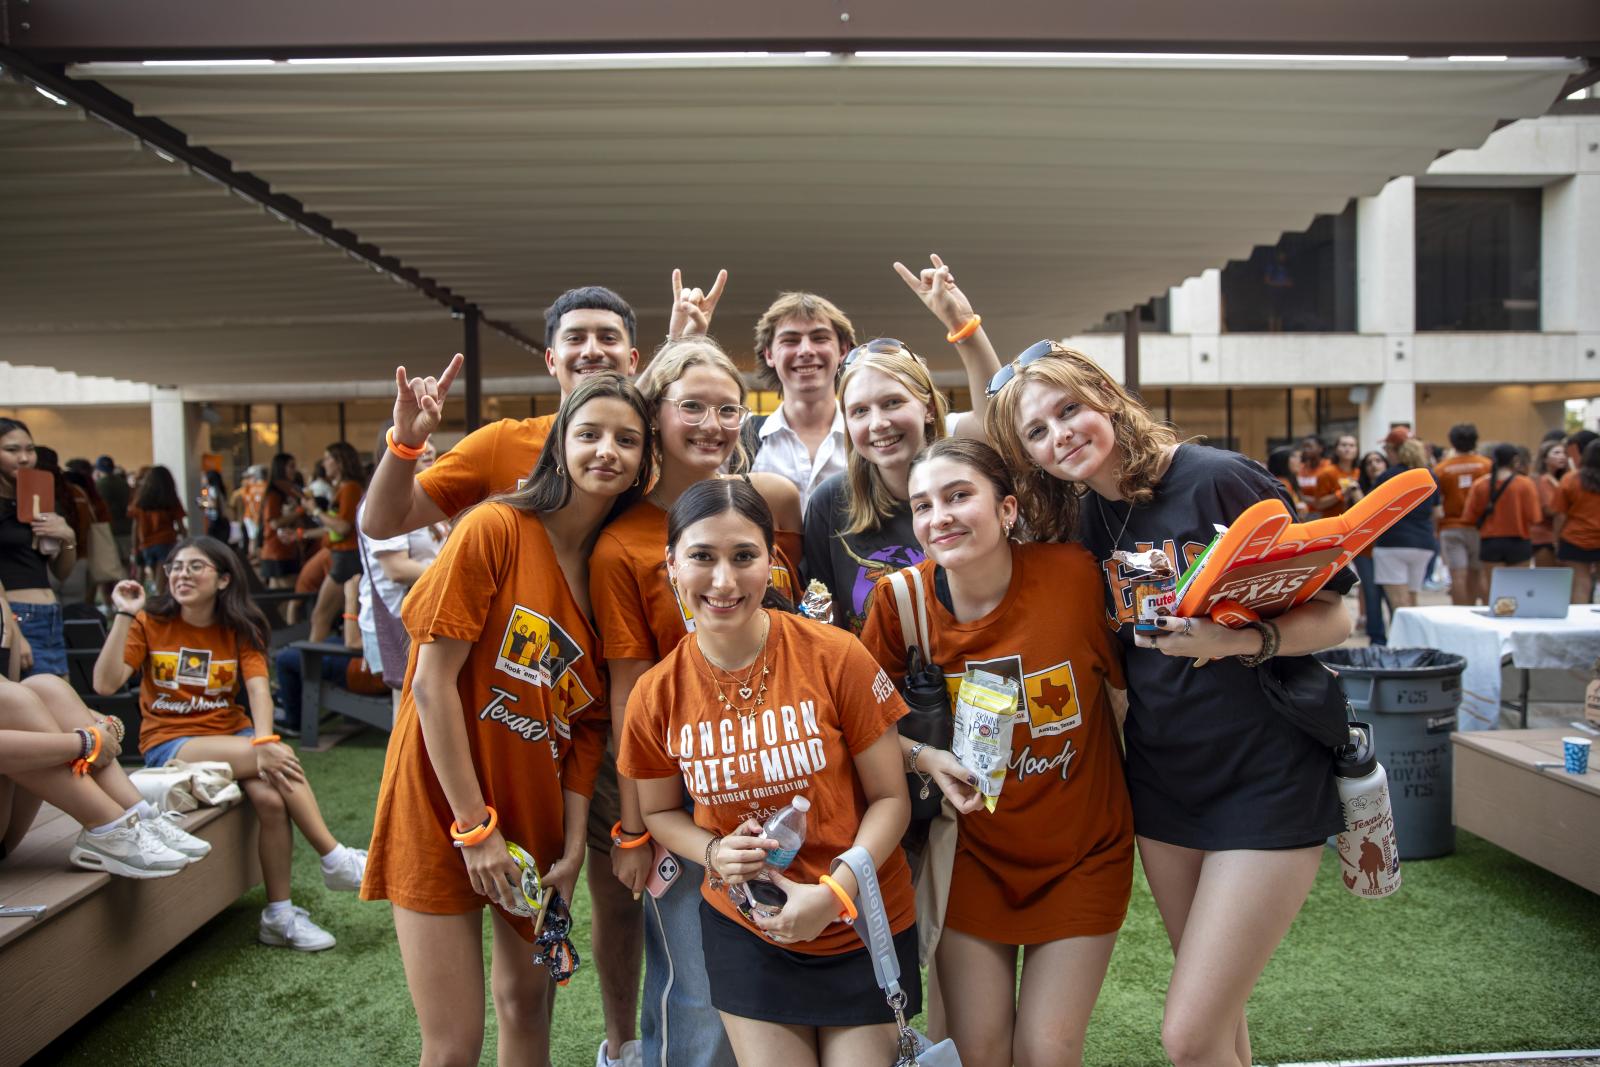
<point x="559" y="472"/>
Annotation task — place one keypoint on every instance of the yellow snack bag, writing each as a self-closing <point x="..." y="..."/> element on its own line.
<point x="985" y="712"/>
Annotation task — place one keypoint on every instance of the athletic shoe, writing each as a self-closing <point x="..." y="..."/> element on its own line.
<point x="632" y="1055"/>
<point x="166" y="827"/>
<point x="132" y="850"/>
<point x="346" y="876"/>
<point x="295" y="930"/>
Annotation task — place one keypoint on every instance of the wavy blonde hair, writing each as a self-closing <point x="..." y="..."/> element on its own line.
<point x="672" y="361"/>
<point x="870" y="501"/>
<point x="1049" y="505"/>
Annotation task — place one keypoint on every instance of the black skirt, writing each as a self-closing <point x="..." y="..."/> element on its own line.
<point x="755" y="979"/>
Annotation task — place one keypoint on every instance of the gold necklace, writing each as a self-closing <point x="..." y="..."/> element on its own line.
<point x="757" y="695"/>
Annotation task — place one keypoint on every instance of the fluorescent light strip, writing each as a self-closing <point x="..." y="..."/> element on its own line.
<point x="1479" y="59"/>
<point x="52" y="97"/>
<point x="562" y="57"/>
<point x="1226" y="57"/>
<point x="208" y="62"/>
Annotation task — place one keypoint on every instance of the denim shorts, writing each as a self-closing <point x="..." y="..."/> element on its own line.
<point x="41" y="625"/>
<point x="155" y="555"/>
<point x="167" y="751"/>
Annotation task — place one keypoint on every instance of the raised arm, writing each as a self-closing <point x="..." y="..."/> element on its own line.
<point x="396" y="504"/>
<point x="936" y="287"/>
<point x="110" y="672"/>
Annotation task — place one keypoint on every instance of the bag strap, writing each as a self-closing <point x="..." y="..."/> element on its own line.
<point x="907" y="608"/>
<point x="872" y="923"/>
<point x="921" y="611"/>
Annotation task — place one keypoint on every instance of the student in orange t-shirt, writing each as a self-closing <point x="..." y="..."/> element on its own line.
<point x="282" y="513"/>
<point x="696" y="396"/>
<point x="755" y="709"/>
<point x="1046" y="875"/>
<point x="1459" y="540"/>
<point x="196" y="648"/>
<point x="501" y="729"/>
<point x="1548" y="468"/>
<point x="157" y="516"/>
<point x="1577" y="523"/>
<point x="1346" y="465"/>
<point x="341" y="463"/>
<point x="1318" y="481"/>
<point x="1504" y="507"/>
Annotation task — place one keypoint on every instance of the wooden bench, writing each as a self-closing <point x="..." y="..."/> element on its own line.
<point x="100" y="932"/>
<point x="319" y="696"/>
<point x="1541" y="813"/>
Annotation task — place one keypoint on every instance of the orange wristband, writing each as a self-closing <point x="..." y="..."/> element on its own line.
<point x="847" y="910"/>
<point x="352" y="618"/>
<point x="616" y="837"/>
<point x="478" y="834"/>
<point x="403" y="451"/>
<point x="83" y="766"/>
<point x="254" y="741"/>
<point x="966" y="331"/>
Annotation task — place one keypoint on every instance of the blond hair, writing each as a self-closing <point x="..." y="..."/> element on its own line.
<point x="672" y="361"/>
<point x="808" y="307"/>
<point x="1412" y="453"/>
<point x="871" y="503"/>
<point x="1050" y="505"/>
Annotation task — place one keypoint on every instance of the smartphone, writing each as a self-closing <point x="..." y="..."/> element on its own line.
<point x="664" y="870"/>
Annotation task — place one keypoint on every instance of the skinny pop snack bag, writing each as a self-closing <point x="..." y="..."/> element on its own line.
<point x="986" y="710"/>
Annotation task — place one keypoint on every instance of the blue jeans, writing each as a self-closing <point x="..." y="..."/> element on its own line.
<point x="678" y="1027"/>
<point x="41" y="625"/>
<point x="1372" y="600"/>
<point x="164" y="753"/>
<point x="290" y="678"/>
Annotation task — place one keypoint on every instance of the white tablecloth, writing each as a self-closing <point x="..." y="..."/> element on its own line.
<point x="1560" y="644"/>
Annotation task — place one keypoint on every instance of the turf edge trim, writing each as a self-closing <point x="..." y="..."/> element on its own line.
<point x="1476" y="1057"/>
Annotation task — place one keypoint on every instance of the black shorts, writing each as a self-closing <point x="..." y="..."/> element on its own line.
<point x="279" y="568"/>
<point x="605" y="804"/>
<point x="1571" y="553"/>
<point x="1511" y="550"/>
<point x="346" y="565"/>
<point x="754" y="979"/>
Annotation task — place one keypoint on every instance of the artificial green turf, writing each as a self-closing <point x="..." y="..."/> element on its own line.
<point x="1479" y="951"/>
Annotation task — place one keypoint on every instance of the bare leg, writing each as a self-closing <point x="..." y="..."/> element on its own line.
<point x="759" y="1044"/>
<point x="522" y="999"/>
<point x="70" y="713"/>
<point x="443" y="957"/>
<point x="326" y="609"/>
<point x="1400" y="596"/>
<point x="1582" y="582"/>
<point x="22" y="791"/>
<point x="981" y="1021"/>
<point x="298" y="799"/>
<point x="847" y="1046"/>
<point x="1060" y="982"/>
<point x="617" y="937"/>
<point x="274" y="836"/>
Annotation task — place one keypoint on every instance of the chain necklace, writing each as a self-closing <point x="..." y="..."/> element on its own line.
<point x="1100" y="509"/>
<point x="756" y="695"/>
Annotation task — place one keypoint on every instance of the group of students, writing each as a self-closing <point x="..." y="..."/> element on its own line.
<point x="604" y="658"/>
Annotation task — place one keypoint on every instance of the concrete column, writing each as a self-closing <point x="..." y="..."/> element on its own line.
<point x="1196" y="305"/>
<point x="1569" y="272"/>
<point x="1386" y="260"/>
<point x="177" y="439"/>
<point x="1386" y="405"/>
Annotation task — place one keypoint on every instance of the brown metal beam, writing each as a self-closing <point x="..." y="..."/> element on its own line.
<point x="1130" y="350"/>
<point x="472" y="370"/>
<point x="69" y="30"/>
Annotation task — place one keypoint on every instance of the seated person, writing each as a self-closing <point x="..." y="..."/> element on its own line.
<point x="349" y="671"/>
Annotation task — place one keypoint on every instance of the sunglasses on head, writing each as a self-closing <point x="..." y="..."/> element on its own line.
<point x="1032" y="354"/>
<point x="880" y="346"/>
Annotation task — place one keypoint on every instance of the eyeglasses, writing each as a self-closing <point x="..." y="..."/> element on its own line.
<point x="694" y="412"/>
<point x="879" y="346"/>
<point x="1032" y="354"/>
<point x="187" y="566"/>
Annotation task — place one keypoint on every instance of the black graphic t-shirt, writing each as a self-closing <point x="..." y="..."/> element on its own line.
<point x="1210" y="764"/>
<point x="851" y="564"/>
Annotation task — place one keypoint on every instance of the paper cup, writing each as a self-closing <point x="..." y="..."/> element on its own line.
<point x="1577" y="754"/>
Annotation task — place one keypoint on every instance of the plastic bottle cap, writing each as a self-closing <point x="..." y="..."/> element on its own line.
<point x="802" y="804"/>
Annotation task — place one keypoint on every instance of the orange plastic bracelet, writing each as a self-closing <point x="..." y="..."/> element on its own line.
<point x="616" y="837"/>
<point x="966" y="331"/>
<point x="83" y="766"/>
<point x="254" y="741"/>
<point x="478" y="834"/>
<point x="847" y="911"/>
<point x="403" y="451"/>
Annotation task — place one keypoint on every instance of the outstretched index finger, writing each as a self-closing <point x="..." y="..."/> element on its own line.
<point x="910" y="279"/>
<point x="450" y="373"/>
<point x="677" y="284"/>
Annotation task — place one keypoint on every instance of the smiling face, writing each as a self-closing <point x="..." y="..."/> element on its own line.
<point x="703" y="448"/>
<point x="956" y="514"/>
<point x="1065" y="437"/>
<point x="16" y="452"/>
<point x="886" y="423"/>
<point x="590" y="341"/>
<point x="604" y="447"/>
<point x="805" y="355"/>
<point x="722" y="567"/>
<point x="192" y="579"/>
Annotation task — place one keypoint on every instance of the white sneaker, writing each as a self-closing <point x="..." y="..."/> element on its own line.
<point x="346" y="875"/>
<point x="132" y="850"/>
<point x="165" y="827"/>
<point x="295" y="930"/>
<point x="632" y="1055"/>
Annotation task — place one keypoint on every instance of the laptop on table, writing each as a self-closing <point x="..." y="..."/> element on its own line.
<point x="1529" y="593"/>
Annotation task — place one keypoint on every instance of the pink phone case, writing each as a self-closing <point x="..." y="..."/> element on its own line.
<point x="664" y="870"/>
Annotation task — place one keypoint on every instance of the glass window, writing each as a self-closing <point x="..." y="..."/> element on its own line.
<point x="1154" y="317"/>
<point x="1478" y="259"/>
<point x="1306" y="283"/>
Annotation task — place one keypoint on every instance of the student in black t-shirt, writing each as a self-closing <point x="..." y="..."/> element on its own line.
<point x="1231" y="802"/>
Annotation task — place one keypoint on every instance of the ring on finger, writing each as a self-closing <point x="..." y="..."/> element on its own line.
<point x="1188" y="627"/>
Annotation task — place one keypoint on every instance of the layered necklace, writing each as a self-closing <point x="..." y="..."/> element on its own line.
<point x="752" y="688"/>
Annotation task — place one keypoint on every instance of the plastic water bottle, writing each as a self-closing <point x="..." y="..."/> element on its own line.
<point x="1368" y="852"/>
<point x="788" y="828"/>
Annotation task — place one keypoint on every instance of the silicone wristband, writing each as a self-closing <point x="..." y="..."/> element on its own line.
<point x="352" y="618"/>
<point x="254" y="741"/>
<point x="129" y="614"/>
<point x="84" y="765"/>
<point x="617" y="839"/>
<point x="847" y="909"/>
<point x="403" y="451"/>
<point x="969" y="328"/>
<point x="478" y="834"/>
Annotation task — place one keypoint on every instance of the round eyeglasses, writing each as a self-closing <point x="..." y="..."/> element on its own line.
<point x="694" y="412"/>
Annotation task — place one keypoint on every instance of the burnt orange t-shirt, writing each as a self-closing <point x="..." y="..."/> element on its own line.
<point x="828" y="702"/>
<point x="273" y="505"/>
<point x="1543" y="531"/>
<point x="1055" y="857"/>
<point x="635" y="608"/>
<point x="191" y="678"/>
<point x="158" y="527"/>
<point x="1582" y="509"/>
<point x="491" y="459"/>
<point x="1324" y="481"/>
<point x="346" y="504"/>
<point x="1516" y="511"/>
<point x="1455" y="476"/>
<point x="531" y="698"/>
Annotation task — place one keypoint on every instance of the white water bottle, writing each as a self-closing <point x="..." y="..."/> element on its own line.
<point x="788" y="828"/>
<point x="1368" y="853"/>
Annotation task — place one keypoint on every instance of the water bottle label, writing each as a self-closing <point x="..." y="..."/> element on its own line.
<point x="781" y="857"/>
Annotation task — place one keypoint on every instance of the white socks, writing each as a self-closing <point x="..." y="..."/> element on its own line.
<point x="334" y="857"/>
<point x="277" y="909"/>
<point x="118" y="823"/>
<point x="146" y="810"/>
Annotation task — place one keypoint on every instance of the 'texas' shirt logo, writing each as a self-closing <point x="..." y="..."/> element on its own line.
<point x="535" y="649"/>
<point x="1123" y="610"/>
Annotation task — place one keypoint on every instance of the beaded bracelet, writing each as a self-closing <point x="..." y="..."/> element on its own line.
<point x="847" y="909"/>
<point x="403" y="451"/>
<point x="968" y="328"/>
<point x="478" y="834"/>
<point x="1270" y="642"/>
<point x="711" y="848"/>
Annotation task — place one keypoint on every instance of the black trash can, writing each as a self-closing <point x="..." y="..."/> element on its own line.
<point x="1410" y="696"/>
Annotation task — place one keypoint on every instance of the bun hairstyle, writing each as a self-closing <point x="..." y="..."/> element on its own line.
<point x="1049" y="505"/>
<point x="234" y="608"/>
<point x="675" y="358"/>
<point x="718" y="496"/>
<point x="870" y="502"/>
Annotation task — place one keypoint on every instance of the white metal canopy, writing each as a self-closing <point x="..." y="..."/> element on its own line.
<point x="1058" y="188"/>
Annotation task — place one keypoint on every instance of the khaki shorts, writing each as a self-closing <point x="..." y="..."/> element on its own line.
<point x="1458" y="546"/>
<point x="605" y="806"/>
